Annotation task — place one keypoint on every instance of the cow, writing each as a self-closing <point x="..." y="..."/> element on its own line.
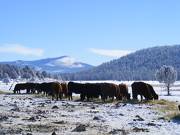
<point x="53" y="89"/>
<point x="29" y="87"/>
<point x="123" y="92"/>
<point x="108" y="90"/>
<point x="56" y="89"/>
<point x="92" y="90"/>
<point x="44" y="88"/>
<point x="64" y="86"/>
<point x="142" y="89"/>
<point x="19" y="86"/>
<point x="76" y="88"/>
<point x="38" y="88"/>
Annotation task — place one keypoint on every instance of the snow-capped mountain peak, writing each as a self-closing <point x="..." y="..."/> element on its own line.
<point x="65" y="61"/>
<point x="63" y="64"/>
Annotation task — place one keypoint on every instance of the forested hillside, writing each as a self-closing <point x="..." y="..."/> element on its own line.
<point x="15" y="72"/>
<point x="140" y="65"/>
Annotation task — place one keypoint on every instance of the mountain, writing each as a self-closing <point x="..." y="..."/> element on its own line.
<point x="63" y="64"/>
<point x="140" y="65"/>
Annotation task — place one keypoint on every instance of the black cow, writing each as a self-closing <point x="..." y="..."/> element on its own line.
<point x="76" y="88"/>
<point x="92" y="90"/>
<point x="29" y="87"/>
<point x="20" y="86"/>
<point x="142" y="89"/>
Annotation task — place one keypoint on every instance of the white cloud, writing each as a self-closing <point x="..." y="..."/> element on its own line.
<point x="21" y="50"/>
<point x="110" y="53"/>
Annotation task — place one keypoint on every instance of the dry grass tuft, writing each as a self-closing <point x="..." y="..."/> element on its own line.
<point x="169" y="108"/>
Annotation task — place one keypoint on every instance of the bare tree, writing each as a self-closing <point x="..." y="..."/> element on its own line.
<point x="6" y="79"/>
<point x="166" y="75"/>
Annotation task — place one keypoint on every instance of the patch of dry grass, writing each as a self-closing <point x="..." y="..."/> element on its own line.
<point x="169" y="108"/>
<point x="40" y="127"/>
<point x="2" y="92"/>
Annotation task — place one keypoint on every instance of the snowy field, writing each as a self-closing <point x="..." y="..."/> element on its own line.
<point x="32" y="114"/>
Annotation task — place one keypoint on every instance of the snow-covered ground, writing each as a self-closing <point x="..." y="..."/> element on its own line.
<point x="22" y="114"/>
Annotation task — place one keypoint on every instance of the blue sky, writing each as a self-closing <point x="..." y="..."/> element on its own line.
<point x="92" y="31"/>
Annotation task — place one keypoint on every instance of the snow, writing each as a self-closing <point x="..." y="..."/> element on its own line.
<point x="50" y="64"/>
<point x="110" y="117"/>
<point x="68" y="62"/>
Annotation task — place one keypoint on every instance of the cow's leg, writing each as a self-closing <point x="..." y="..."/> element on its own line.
<point x="28" y="91"/>
<point x="60" y="96"/>
<point x="70" y="96"/>
<point x="52" y="96"/>
<point x="102" y="98"/>
<point x="120" y="97"/>
<point x="88" y="97"/>
<point x="141" y="97"/>
<point x="46" y="94"/>
<point x="112" y="98"/>
<point x="82" y="97"/>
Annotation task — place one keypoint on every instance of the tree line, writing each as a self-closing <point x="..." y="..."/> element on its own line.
<point x="15" y="72"/>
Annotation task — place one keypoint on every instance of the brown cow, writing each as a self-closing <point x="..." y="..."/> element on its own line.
<point x="56" y="90"/>
<point x="108" y="90"/>
<point x="123" y="92"/>
<point x="51" y="88"/>
<point x="64" y="86"/>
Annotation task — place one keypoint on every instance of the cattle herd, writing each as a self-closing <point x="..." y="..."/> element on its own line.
<point x="89" y="91"/>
